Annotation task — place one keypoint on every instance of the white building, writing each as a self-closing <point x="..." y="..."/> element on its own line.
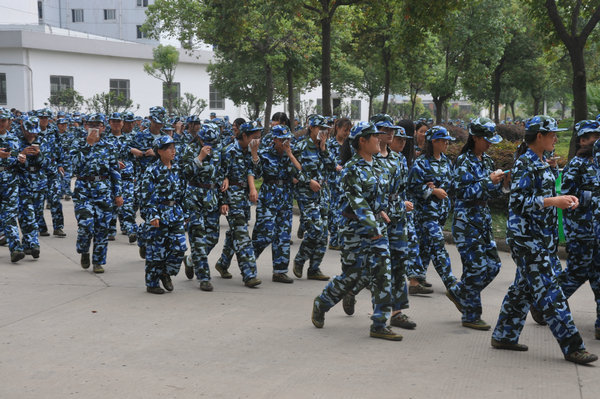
<point x="38" y="58"/>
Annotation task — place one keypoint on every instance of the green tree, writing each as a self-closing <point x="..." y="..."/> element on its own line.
<point x="572" y="23"/>
<point x="108" y="103"/>
<point x="469" y="44"/>
<point x="163" y="68"/>
<point x="189" y="104"/>
<point x="67" y="100"/>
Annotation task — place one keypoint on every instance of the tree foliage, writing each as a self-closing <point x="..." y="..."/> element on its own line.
<point x="108" y="103"/>
<point x="189" y="104"/>
<point x="67" y="100"/>
<point x="163" y="68"/>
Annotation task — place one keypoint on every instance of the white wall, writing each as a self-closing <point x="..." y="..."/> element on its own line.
<point x="18" y="12"/>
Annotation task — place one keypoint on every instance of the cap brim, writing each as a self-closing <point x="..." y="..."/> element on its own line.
<point x="494" y="139"/>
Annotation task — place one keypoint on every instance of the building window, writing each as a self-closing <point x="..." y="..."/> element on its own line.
<point x="40" y="10"/>
<point x="140" y="33"/>
<point x="355" y="111"/>
<point x="110" y="14"/>
<point x="120" y="88"/>
<point x="142" y="3"/>
<point x="176" y="87"/>
<point x="77" y="14"/>
<point x="3" y="99"/>
<point x="60" y="83"/>
<point x="319" y="106"/>
<point x="216" y="100"/>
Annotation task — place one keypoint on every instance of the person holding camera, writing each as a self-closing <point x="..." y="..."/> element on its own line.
<point x="201" y="163"/>
<point x="33" y="160"/>
<point x="275" y="201"/>
<point x="313" y="197"/>
<point x="240" y="165"/>
<point x="97" y="191"/>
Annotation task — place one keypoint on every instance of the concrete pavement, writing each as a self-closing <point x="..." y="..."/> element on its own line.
<point x="65" y="332"/>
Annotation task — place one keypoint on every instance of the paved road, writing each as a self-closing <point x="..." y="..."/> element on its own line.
<point x="65" y="332"/>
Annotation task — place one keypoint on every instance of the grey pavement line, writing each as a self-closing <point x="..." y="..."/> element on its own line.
<point x="579" y="382"/>
<point x="51" y="308"/>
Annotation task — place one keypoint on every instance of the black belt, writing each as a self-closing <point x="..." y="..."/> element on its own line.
<point x="5" y="168"/>
<point x="168" y="203"/>
<point x="350" y="216"/>
<point x="278" y="182"/>
<point x="238" y="183"/>
<point x="92" y="178"/>
<point x="127" y="177"/>
<point x="203" y="185"/>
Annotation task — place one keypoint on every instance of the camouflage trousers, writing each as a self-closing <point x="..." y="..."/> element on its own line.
<point x="165" y="247"/>
<point x="238" y="242"/>
<point x="273" y="227"/>
<point x="432" y="248"/>
<point x="536" y="284"/>
<point x="93" y="221"/>
<point x="28" y="220"/>
<point x="399" y="252"/>
<point x="52" y="195"/>
<point x="335" y="218"/>
<point x="65" y="182"/>
<point x="314" y="244"/>
<point x="9" y="208"/>
<point x="125" y="213"/>
<point x="583" y="264"/>
<point x="359" y="252"/>
<point x="481" y="265"/>
<point x="414" y="265"/>
<point x="203" y="236"/>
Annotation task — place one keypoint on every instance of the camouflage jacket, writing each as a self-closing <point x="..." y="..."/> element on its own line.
<point x="143" y="141"/>
<point x="581" y="178"/>
<point x="334" y="152"/>
<point x="440" y="172"/>
<point x="278" y="172"/>
<point x="530" y="225"/>
<point x="162" y="194"/>
<point x="472" y="187"/>
<point x="8" y="166"/>
<point x="203" y="181"/>
<point x="121" y="148"/>
<point x="32" y="173"/>
<point x="97" y="170"/>
<point x="237" y="165"/>
<point x="365" y="188"/>
<point x="316" y="165"/>
<point x="396" y="175"/>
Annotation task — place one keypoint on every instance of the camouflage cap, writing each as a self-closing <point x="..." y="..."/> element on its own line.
<point x="384" y="120"/>
<point x="281" y="132"/>
<point x="115" y="116"/>
<point x="542" y="124"/>
<point x="438" y="132"/>
<point x="318" y="120"/>
<point x="209" y="133"/>
<point x="363" y="129"/>
<point x="486" y="128"/>
<point x="5" y="113"/>
<point x="250" y="127"/>
<point x="32" y="124"/>
<point x="128" y="116"/>
<point x="587" y="126"/>
<point x="163" y="141"/>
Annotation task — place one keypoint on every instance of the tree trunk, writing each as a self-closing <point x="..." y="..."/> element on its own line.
<point x="512" y="110"/>
<point x="386" y="82"/>
<point x="290" y="84"/>
<point x="326" y="65"/>
<point x="536" y="104"/>
<point x="256" y="110"/>
<point x="496" y="88"/>
<point x="579" y="87"/>
<point x="413" y="101"/>
<point x="370" y="106"/>
<point x="439" y="105"/>
<point x="269" y="90"/>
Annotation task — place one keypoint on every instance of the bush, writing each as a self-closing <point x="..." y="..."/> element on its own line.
<point x="457" y="132"/>
<point x="511" y="132"/>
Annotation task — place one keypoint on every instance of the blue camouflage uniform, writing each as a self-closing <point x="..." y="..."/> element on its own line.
<point x="32" y="186"/>
<point x="366" y="193"/>
<point x="532" y="233"/>
<point x="237" y="165"/>
<point x="65" y="142"/>
<point x="581" y="178"/>
<point x="98" y="184"/>
<point x="430" y="212"/>
<point x="275" y="200"/>
<point x="334" y="218"/>
<point x="9" y="190"/>
<point x="316" y="165"/>
<point x="202" y="198"/>
<point x="472" y="224"/>
<point x="162" y="196"/>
